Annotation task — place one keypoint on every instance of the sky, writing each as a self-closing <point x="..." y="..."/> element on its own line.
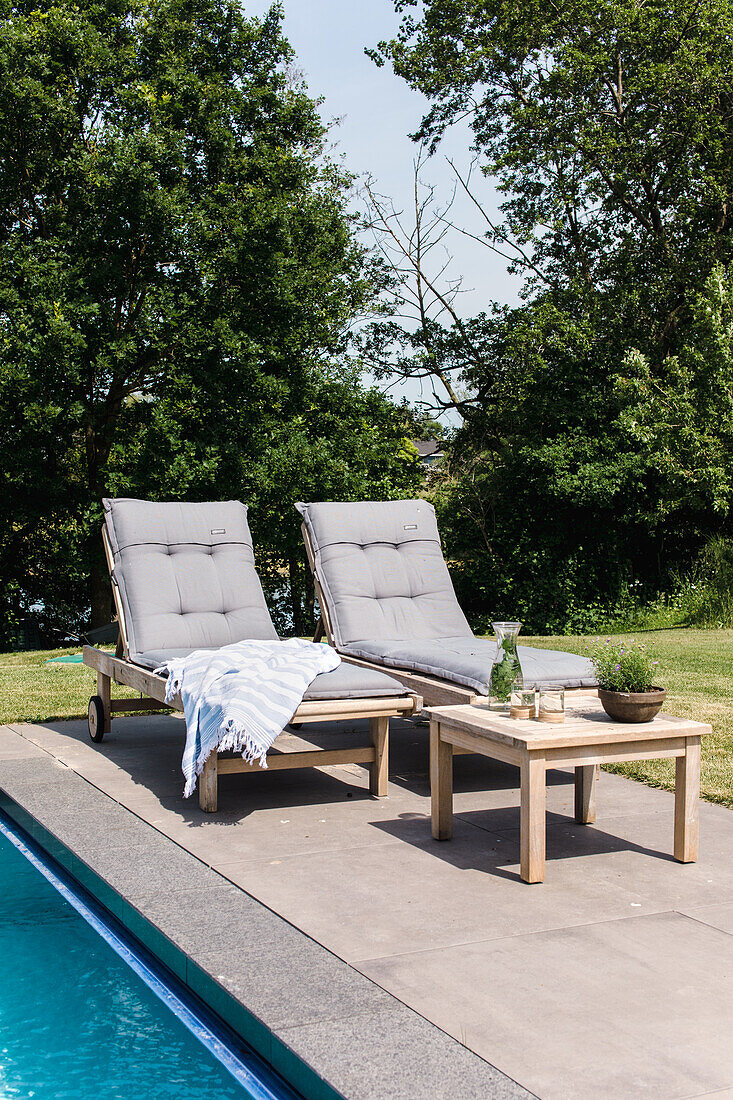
<point x="376" y="111"/>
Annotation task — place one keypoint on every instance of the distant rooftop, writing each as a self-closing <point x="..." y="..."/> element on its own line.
<point x="426" y="448"/>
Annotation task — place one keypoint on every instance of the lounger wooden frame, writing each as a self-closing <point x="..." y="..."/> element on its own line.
<point x="379" y="709"/>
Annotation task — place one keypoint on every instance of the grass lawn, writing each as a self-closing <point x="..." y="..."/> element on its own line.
<point x="696" y="667"/>
<point x="33" y="691"/>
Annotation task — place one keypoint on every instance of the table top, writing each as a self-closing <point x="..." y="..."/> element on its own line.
<point x="586" y="723"/>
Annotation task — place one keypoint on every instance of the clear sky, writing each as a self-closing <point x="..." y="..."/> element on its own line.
<point x="376" y="112"/>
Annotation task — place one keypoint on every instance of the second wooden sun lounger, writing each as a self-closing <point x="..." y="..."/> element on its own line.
<point x="183" y="578"/>
<point x="387" y="602"/>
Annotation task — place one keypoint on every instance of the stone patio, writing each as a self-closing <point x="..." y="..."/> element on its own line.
<point x="614" y="978"/>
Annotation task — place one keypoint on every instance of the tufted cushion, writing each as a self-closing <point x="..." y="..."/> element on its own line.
<point x="382" y="571"/>
<point x="186" y="574"/>
<point x="468" y="661"/>
<point x="391" y="601"/>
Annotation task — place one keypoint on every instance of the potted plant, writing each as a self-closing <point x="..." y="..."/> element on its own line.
<point x="625" y="672"/>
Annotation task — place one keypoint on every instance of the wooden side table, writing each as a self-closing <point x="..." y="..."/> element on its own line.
<point x="587" y="737"/>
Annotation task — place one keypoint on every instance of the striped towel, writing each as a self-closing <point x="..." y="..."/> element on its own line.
<point x="240" y="697"/>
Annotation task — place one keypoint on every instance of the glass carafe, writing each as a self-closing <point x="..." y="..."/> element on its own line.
<point x="506" y="671"/>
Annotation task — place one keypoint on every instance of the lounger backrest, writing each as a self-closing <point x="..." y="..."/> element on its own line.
<point x="185" y="574"/>
<point x="381" y="570"/>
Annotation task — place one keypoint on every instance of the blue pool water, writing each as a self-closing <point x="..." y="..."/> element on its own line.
<point x="75" y="1021"/>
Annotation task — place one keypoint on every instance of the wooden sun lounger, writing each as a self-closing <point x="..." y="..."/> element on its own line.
<point x="118" y="668"/>
<point x="435" y="692"/>
<point x="111" y="668"/>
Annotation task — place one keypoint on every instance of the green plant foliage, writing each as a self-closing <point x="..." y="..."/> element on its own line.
<point x="623" y="665"/>
<point x="504" y="672"/>
<point x="597" y="447"/>
<point x="178" y="279"/>
<point x="705" y="596"/>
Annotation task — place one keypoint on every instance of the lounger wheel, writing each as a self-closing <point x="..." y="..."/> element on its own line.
<point x="295" y="725"/>
<point x="96" y="718"/>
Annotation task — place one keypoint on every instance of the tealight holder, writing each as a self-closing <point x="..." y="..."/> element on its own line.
<point x="522" y="703"/>
<point x="551" y="706"/>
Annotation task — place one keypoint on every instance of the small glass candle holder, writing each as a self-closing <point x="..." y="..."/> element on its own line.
<point x="551" y="705"/>
<point x="522" y="703"/>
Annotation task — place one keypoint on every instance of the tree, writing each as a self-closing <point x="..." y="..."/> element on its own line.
<point x="420" y="292"/>
<point x="177" y="272"/>
<point x="609" y="128"/>
<point x="346" y="443"/>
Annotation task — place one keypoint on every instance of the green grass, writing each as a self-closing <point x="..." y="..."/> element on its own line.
<point x="696" y="667"/>
<point x="33" y="691"/>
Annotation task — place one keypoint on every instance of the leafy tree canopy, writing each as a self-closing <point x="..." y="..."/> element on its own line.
<point x="177" y="278"/>
<point x="598" y="419"/>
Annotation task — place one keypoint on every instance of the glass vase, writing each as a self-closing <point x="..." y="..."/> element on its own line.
<point x="506" y="671"/>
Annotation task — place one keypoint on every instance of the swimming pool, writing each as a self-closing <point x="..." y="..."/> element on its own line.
<point x="87" y="1015"/>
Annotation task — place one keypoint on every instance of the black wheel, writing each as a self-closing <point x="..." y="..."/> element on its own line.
<point x="295" y="725"/>
<point x="96" y="718"/>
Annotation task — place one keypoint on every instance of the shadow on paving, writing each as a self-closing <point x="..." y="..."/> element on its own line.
<point x="151" y="760"/>
<point x="564" y="841"/>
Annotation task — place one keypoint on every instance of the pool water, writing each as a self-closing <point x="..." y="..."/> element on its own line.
<point x="75" y="1021"/>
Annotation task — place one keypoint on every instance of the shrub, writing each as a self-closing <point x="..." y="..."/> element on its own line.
<point x="622" y="666"/>
<point x="706" y="596"/>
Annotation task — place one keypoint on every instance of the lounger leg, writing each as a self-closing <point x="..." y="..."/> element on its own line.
<point x="104" y="691"/>
<point x="379" y="769"/>
<point x="208" y="785"/>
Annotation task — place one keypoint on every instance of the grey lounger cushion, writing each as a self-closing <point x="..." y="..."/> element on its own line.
<point x="381" y="568"/>
<point x="186" y="574"/>
<point x="468" y="661"/>
<point x="345" y="682"/>
<point x="390" y="598"/>
<point x="187" y="581"/>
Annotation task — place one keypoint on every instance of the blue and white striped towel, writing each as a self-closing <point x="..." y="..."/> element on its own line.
<point x="240" y="697"/>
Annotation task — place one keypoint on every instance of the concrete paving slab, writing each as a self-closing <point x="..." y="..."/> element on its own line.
<point x="406" y="897"/>
<point x="243" y="927"/>
<point x="717" y="916"/>
<point x="407" y="1041"/>
<point x="719" y="1094"/>
<point x="614" y="1009"/>
<point x="636" y="851"/>
<point x="23" y="771"/>
<point x="158" y="866"/>
<point x="127" y="760"/>
<point x="14" y="748"/>
<point x="283" y="827"/>
<point x="294" y="987"/>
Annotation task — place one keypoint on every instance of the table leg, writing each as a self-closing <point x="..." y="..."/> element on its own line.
<point x="585" y="794"/>
<point x="686" y="799"/>
<point x="441" y="784"/>
<point x="532" y="821"/>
